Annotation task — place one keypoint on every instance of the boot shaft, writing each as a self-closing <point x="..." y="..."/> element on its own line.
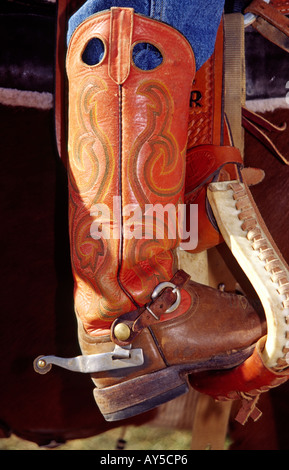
<point x="127" y="148"/>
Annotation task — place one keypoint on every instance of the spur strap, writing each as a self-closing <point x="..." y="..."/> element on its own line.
<point x="165" y="299"/>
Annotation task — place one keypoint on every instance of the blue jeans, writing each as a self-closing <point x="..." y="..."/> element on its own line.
<point x="197" y="20"/>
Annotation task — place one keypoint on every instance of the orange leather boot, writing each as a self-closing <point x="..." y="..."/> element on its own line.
<point x="143" y="325"/>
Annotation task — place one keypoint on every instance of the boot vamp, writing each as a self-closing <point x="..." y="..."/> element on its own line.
<point x="213" y="329"/>
<point x="216" y="323"/>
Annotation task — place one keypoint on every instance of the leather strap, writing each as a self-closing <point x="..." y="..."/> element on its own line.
<point x="204" y="162"/>
<point x="270" y="14"/>
<point x="150" y="314"/>
<point x="270" y="22"/>
<point x="257" y="125"/>
<point x="245" y="382"/>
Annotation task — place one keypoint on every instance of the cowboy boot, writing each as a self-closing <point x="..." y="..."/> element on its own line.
<point x="143" y="325"/>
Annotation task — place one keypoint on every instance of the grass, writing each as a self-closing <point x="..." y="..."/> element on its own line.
<point x="137" y="438"/>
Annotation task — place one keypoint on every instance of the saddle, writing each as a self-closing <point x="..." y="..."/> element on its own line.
<point x="215" y="180"/>
<point x="212" y="161"/>
<point x="238" y="220"/>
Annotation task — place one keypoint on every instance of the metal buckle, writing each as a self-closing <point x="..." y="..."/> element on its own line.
<point x="176" y="291"/>
<point x="119" y="358"/>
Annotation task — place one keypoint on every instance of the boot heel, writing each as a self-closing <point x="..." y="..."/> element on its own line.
<point x="140" y="394"/>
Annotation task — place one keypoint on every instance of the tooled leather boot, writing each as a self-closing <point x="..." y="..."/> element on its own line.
<point x="143" y="325"/>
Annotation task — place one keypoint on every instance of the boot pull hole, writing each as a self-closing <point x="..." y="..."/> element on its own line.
<point x="146" y="56"/>
<point x="93" y="52"/>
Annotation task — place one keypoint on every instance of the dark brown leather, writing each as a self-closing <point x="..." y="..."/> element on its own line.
<point x="271" y="21"/>
<point x="143" y="317"/>
<point x="214" y="326"/>
<point x="65" y="9"/>
<point x="264" y="131"/>
<point x="270" y="14"/>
